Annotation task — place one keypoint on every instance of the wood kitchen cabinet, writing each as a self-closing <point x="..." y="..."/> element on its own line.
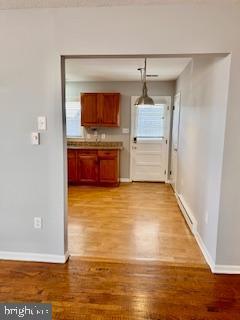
<point x="87" y="167"/>
<point x="72" y="166"/>
<point x="89" y="109"/>
<point x="100" y="109"/>
<point x="108" y="166"/>
<point x="93" y="167"/>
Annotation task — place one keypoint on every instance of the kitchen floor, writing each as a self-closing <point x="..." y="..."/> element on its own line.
<point x="137" y="221"/>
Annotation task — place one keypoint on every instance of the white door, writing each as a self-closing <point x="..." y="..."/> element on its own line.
<point x="175" y="140"/>
<point x="149" y="140"/>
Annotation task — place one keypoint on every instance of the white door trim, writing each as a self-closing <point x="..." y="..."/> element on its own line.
<point x="168" y="101"/>
<point x="177" y="95"/>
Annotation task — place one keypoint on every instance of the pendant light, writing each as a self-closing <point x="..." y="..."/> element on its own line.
<point x="144" y="99"/>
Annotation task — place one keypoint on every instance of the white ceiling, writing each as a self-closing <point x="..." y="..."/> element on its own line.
<point x="123" y="69"/>
<point x="20" y="4"/>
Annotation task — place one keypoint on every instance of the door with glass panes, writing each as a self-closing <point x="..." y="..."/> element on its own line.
<point x="150" y="140"/>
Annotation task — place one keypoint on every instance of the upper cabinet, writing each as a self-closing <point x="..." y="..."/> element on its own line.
<point x="89" y="109"/>
<point x="100" y="109"/>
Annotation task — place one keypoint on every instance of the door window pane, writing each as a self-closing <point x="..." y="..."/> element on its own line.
<point x="150" y="121"/>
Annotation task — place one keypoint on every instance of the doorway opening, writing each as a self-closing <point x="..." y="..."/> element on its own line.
<point x="115" y="151"/>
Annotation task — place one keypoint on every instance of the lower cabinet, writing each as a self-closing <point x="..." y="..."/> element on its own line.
<point x="93" y="167"/>
<point x="87" y="168"/>
<point x="72" y="166"/>
<point x="108" y="167"/>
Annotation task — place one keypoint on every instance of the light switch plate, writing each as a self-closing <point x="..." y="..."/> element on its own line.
<point x="42" y="123"/>
<point x="103" y="136"/>
<point x="35" y="138"/>
<point x="125" y="130"/>
<point x="37" y="223"/>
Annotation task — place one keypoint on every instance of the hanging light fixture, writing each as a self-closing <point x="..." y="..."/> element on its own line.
<point x="144" y="99"/>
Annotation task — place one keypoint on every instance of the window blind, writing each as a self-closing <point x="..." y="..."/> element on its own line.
<point x="150" y="121"/>
<point x="73" y="119"/>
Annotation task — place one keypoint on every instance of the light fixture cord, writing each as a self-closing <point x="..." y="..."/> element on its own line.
<point x="145" y="69"/>
<point x="145" y="91"/>
<point x="141" y="71"/>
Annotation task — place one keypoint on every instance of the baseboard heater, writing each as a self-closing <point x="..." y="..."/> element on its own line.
<point x="191" y="222"/>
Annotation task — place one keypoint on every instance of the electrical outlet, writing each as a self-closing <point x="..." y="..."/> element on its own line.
<point x="103" y="136"/>
<point x="37" y="223"/>
<point x="125" y="130"/>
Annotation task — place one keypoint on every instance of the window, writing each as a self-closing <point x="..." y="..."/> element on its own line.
<point x="150" y="121"/>
<point x="73" y="118"/>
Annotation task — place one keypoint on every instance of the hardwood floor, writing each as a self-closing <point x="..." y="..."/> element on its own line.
<point x="161" y="287"/>
<point x="135" y="221"/>
<point x="120" y="291"/>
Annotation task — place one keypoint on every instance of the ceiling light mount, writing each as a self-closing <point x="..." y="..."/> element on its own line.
<point x="152" y="75"/>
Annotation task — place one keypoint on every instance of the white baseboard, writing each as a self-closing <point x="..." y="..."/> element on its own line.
<point x="205" y="252"/>
<point x="128" y="180"/>
<point x="125" y="180"/>
<point x="34" y="257"/>
<point x="192" y="223"/>
<point x="187" y="213"/>
<point x="215" y="268"/>
<point x="226" y="269"/>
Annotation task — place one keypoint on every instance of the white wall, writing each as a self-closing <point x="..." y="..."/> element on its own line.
<point x="204" y="90"/>
<point x="31" y="183"/>
<point x="32" y="41"/>
<point x="229" y="215"/>
<point x="126" y="89"/>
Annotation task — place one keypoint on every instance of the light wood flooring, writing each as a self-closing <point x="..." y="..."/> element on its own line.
<point x="137" y="221"/>
<point x="131" y="222"/>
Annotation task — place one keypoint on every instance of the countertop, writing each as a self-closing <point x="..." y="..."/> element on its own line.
<point x="109" y="145"/>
